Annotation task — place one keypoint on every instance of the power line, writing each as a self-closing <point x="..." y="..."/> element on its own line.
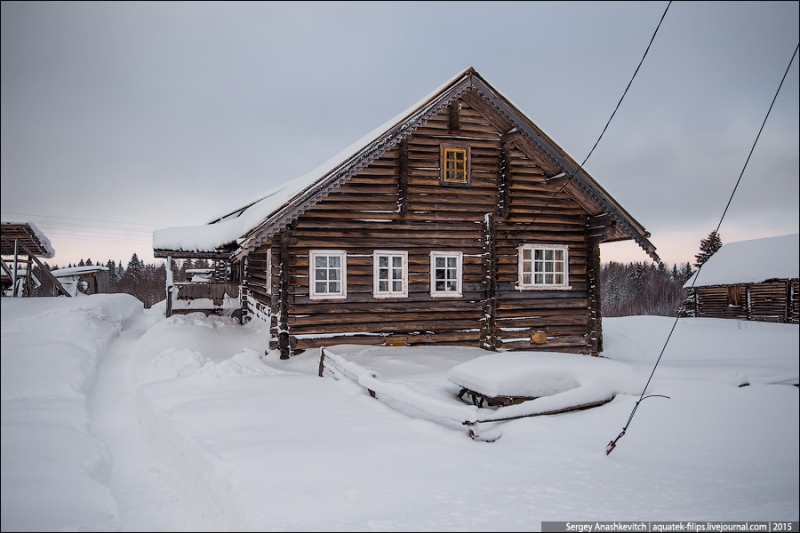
<point x="611" y="445"/>
<point x="84" y="219"/>
<point x="580" y="167"/>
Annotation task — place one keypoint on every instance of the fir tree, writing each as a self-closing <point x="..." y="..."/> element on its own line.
<point x="708" y="247"/>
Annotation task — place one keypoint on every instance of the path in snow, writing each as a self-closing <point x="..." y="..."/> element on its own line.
<point x="152" y="496"/>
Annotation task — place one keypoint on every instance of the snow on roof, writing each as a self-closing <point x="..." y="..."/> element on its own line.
<point x="75" y="271"/>
<point x="232" y="224"/>
<point x="751" y="261"/>
<point x="44" y="242"/>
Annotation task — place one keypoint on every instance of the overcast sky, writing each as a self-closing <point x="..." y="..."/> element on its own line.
<point x="118" y="119"/>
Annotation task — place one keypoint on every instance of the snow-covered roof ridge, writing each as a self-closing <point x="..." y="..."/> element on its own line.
<point x="751" y="261"/>
<point x="35" y="232"/>
<point x="245" y="227"/>
<point x="74" y="271"/>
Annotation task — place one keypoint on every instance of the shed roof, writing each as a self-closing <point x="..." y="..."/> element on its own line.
<point x="77" y="271"/>
<point x="245" y="227"/>
<point x="28" y="234"/>
<point x="751" y="261"/>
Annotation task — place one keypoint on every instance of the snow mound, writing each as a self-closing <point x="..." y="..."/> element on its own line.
<point x="542" y="374"/>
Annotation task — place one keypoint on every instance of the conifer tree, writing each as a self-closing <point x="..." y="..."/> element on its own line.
<point x="708" y="247"/>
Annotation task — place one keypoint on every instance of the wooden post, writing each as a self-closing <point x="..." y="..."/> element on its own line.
<point x="14" y="276"/>
<point x="504" y="182"/>
<point x="170" y="283"/>
<point x="489" y="330"/>
<point x="402" y="200"/>
<point x="283" y="313"/>
<point x="595" y="295"/>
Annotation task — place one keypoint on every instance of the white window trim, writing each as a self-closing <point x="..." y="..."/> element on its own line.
<point x="447" y="294"/>
<point x="542" y="287"/>
<point x="376" y="293"/>
<point x="312" y="293"/>
<point x="269" y="271"/>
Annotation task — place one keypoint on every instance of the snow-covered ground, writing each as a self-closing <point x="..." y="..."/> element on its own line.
<point x="116" y="418"/>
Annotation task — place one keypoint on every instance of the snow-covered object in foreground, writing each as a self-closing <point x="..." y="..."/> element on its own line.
<point x="540" y="374"/>
<point x="751" y="261"/>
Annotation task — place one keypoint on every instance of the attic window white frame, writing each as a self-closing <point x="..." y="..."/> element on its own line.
<point x="329" y="267"/>
<point x="459" y="257"/>
<point x="542" y="273"/>
<point x="390" y="292"/>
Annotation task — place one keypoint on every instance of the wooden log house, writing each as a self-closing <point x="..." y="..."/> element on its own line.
<point x="749" y="280"/>
<point x="458" y="223"/>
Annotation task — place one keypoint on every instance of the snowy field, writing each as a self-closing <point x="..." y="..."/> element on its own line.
<point x="114" y="418"/>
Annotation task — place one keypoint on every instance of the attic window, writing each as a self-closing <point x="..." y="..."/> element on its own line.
<point x="455" y="165"/>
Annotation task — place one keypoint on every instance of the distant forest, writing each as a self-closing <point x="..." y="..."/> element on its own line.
<point x="626" y="289"/>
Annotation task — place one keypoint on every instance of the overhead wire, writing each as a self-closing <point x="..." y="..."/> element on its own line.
<point x="611" y="445"/>
<point x="602" y="133"/>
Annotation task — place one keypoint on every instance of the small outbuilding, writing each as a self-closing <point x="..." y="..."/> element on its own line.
<point x="84" y="280"/>
<point x="749" y="280"/>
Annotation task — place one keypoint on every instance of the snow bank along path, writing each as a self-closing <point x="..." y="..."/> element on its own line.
<point x="54" y="471"/>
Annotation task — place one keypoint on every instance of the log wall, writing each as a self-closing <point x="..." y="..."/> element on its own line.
<point x="772" y="301"/>
<point x="398" y="203"/>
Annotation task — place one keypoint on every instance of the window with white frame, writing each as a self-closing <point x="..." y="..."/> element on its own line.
<point x="327" y="276"/>
<point x="446" y="273"/>
<point x="543" y="266"/>
<point x="390" y="274"/>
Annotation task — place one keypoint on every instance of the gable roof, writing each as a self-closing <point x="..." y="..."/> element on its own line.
<point x="751" y="261"/>
<point x="246" y="227"/>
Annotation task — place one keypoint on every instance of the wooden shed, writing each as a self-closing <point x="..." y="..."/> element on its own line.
<point x="454" y="223"/>
<point x="85" y="280"/>
<point x="749" y="280"/>
<point x="21" y="244"/>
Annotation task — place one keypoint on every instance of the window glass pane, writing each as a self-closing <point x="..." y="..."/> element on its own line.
<point x="451" y="285"/>
<point x="538" y="254"/>
<point x="383" y="273"/>
<point x="334" y="261"/>
<point x="548" y="255"/>
<point x="548" y="279"/>
<point x="383" y="261"/>
<point x="334" y="286"/>
<point x="539" y="266"/>
<point x="452" y="262"/>
<point x="538" y="278"/>
<point x="559" y="267"/>
<point x="440" y="285"/>
<point x="397" y="261"/>
<point x="526" y="254"/>
<point x="320" y="261"/>
<point x="526" y="279"/>
<point x="383" y="286"/>
<point x="559" y="255"/>
<point x="397" y="273"/>
<point x="439" y="262"/>
<point x="560" y="279"/>
<point x="397" y="286"/>
<point x="548" y="267"/>
<point x="321" y="274"/>
<point x="321" y="286"/>
<point x="440" y="273"/>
